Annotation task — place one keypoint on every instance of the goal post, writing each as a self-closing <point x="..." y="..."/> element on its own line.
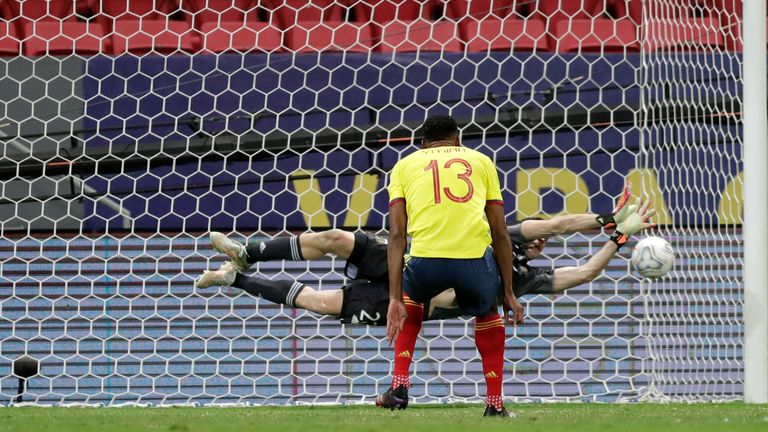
<point x="755" y="114"/>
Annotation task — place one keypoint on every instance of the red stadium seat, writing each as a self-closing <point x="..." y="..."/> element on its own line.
<point x="504" y="35"/>
<point x="730" y="13"/>
<point x="419" y="35"/>
<point x="239" y="36"/>
<point x="9" y="39"/>
<point x="557" y="10"/>
<point x="687" y="32"/>
<point x="627" y="9"/>
<point x="214" y="11"/>
<point x="64" y="38"/>
<point x="161" y="36"/>
<point x="384" y="11"/>
<point x="596" y="35"/>
<point x="290" y="12"/>
<point x="479" y="9"/>
<point x="134" y="9"/>
<point x="554" y="11"/>
<point x="32" y="10"/>
<point x="329" y="36"/>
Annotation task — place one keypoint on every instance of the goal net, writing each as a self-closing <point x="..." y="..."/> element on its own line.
<point x="691" y="122"/>
<point x="133" y="128"/>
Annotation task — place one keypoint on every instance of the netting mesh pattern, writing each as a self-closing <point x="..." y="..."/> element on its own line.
<point x="690" y="119"/>
<point x="259" y="119"/>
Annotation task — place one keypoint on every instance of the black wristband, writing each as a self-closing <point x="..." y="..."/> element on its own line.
<point x="606" y="220"/>
<point x="619" y="238"/>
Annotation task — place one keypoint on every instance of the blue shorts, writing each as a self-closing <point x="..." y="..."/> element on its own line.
<point x="476" y="281"/>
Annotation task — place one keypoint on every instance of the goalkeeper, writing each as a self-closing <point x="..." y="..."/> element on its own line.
<point x="365" y="298"/>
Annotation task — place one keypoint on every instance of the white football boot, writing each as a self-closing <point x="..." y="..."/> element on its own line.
<point x="234" y="250"/>
<point x="224" y="276"/>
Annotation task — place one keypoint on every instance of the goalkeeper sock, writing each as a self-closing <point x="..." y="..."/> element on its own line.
<point x="278" y="291"/>
<point x="489" y="339"/>
<point x="406" y="343"/>
<point x="281" y="248"/>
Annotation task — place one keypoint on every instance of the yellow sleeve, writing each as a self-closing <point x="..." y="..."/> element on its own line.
<point x="493" y="188"/>
<point x="395" y="187"/>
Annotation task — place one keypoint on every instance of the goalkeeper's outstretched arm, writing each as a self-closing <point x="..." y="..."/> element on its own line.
<point x="638" y="217"/>
<point x="566" y="224"/>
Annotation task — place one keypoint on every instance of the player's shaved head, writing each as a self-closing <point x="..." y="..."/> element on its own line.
<point x="439" y="128"/>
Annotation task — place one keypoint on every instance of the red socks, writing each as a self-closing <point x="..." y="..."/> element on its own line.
<point x="489" y="339"/>
<point x="406" y="342"/>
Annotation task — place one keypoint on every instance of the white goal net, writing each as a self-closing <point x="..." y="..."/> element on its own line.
<point x="133" y="128"/>
<point x="691" y="123"/>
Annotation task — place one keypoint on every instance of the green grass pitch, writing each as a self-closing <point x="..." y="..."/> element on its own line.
<point x="730" y="417"/>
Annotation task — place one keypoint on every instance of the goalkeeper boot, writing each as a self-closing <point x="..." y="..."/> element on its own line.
<point x="224" y="276"/>
<point x="394" y="398"/>
<point x="491" y="411"/>
<point x="234" y="250"/>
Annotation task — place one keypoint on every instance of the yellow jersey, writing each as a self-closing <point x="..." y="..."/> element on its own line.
<point x="445" y="191"/>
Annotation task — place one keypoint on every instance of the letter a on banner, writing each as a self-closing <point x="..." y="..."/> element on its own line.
<point x="312" y="200"/>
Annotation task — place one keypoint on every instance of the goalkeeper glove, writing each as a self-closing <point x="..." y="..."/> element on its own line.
<point x="619" y="213"/>
<point x="637" y="219"/>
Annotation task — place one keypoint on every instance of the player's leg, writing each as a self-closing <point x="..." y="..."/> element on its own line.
<point x="334" y="241"/>
<point x="291" y="293"/>
<point x="478" y="285"/>
<point x="307" y="246"/>
<point x="325" y="302"/>
<point x="422" y="279"/>
<point x="489" y="339"/>
<point x="397" y="394"/>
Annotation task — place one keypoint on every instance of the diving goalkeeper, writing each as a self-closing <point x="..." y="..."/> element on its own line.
<point x="365" y="297"/>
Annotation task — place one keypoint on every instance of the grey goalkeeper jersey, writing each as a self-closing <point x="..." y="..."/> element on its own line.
<point x="526" y="279"/>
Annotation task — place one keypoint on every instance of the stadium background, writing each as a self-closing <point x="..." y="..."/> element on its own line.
<point x="188" y="136"/>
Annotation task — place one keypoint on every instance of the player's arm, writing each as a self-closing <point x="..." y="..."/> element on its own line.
<point x="502" y="251"/>
<point x="396" y="313"/>
<point x="569" y="277"/>
<point x="636" y="221"/>
<point x="566" y="224"/>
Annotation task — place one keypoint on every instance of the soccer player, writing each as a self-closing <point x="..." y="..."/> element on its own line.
<point x="365" y="299"/>
<point x="448" y="198"/>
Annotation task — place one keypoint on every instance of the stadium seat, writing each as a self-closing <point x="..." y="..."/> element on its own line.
<point x="214" y="11"/>
<point x="384" y="11"/>
<point x="239" y="36"/>
<point x="632" y="9"/>
<point x="290" y="12"/>
<point x="556" y="10"/>
<point x="552" y="12"/>
<point x="33" y="10"/>
<point x="162" y="36"/>
<point x="479" y="9"/>
<point x="667" y="34"/>
<point x="64" y="38"/>
<point x="419" y="35"/>
<point x="9" y="39"/>
<point x="134" y="9"/>
<point x="730" y="14"/>
<point x="328" y="36"/>
<point x="508" y="34"/>
<point x="596" y="35"/>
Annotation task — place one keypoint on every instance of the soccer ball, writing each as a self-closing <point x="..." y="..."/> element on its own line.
<point x="653" y="257"/>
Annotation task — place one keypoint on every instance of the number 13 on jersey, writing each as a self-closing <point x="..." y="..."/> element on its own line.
<point x="463" y="176"/>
